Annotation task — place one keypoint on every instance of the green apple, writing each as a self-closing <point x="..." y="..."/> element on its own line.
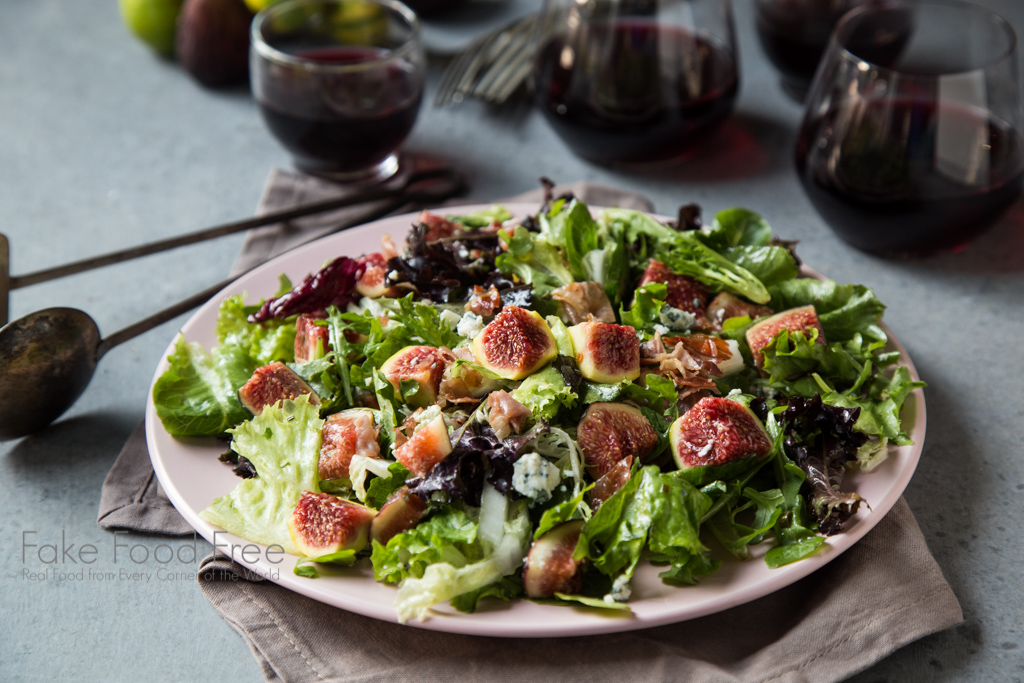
<point x="152" y="21"/>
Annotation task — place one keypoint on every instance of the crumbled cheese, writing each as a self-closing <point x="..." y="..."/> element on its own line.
<point x="620" y="590"/>
<point x="707" y="449"/>
<point x="735" y="361"/>
<point x="469" y="325"/>
<point x="661" y="329"/>
<point x="450" y="318"/>
<point x="676" y="319"/>
<point x="734" y="392"/>
<point x="426" y="417"/>
<point x="535" y="477"/>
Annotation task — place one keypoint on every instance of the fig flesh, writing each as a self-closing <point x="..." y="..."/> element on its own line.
<point x="549" y="567"/>
<point x="424" y="449"/>
<point x="605" y="352"/>
<point x="373" y="283"/>
<point x="717" y="431"/>
<point x="401" y="512"/>
<point x="421" y="364"/>
<point x="272" y="383"/>
<point x="515" y="344"/>
<point x="613" y="480"/>
<point x="322" y="524"/>
<point x="726" y="305"/>
<point x="610" y="432"/>
<point x="683" y="293"/>
<point x="344" y="436"/>
<point x="801" y="319"/>
<point x="311" y="340"/>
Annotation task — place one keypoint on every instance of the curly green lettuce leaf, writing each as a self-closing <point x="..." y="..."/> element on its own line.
<point x="594" y="252"/>
<point x="545" y="393"/>
<point x="266" y="342"/>
<point x="198" y="394"/>
<point x="283" y="445"/>
<point x="533" y="260"/>
<point x="645" y="312"/>
<point x="449" y="536"/>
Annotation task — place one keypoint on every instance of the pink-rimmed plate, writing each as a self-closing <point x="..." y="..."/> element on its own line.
<point x="192" y="476"/>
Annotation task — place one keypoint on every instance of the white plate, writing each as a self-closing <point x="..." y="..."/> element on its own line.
<point x="192" y="477"/>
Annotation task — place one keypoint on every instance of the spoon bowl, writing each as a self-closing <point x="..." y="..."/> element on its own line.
<point x="48" y="359"/>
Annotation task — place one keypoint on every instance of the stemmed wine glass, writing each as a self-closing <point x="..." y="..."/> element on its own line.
<point x="635" y="81"/>
<point x="912" y="136"/>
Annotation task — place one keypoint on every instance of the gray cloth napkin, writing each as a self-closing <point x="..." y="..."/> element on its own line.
<point x="881" y="594"/>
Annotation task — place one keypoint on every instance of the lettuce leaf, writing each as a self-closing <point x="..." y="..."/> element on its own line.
<point x="283" y="445"/>
<point x="198" y="394"/>
<point x="482" y="219"/>
<point x="545" y="393"/>
<point x="534" y="260"/>
<point x="265" y="342"/>
<point x="738" y="227"/>
<point x="449" y="536"/>
<point x="844" y="310"/>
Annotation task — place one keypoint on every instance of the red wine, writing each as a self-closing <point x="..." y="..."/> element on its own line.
<point x="909" y="175"/>
<point x="348" y="122"/>
<point x="794" y="35"/>
<point x="634" y="92"/>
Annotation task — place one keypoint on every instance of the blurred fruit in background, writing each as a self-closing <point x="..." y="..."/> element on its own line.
<point x="213" y="41"/>
<point x="153" y="22"/>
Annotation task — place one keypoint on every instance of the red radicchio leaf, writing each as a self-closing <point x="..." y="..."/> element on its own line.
<point x="332" y="285"/>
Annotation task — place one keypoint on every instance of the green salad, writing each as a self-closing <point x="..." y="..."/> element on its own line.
<point x="530" y="407"/>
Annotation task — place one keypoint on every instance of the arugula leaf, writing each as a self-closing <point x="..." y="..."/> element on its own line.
<point x="283" y="445"/>
<point x="198" y="394"/>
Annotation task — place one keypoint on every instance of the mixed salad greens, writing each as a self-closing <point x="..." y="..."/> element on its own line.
<point x="515" y="474"/>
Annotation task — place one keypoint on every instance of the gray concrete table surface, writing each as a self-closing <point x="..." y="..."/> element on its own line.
<point x="102" y="145"/>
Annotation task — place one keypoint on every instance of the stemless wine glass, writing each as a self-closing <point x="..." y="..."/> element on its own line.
<point x="795" y="33"/>
<point x="912" y="137"/>
<point x="339" y="83"/>
<point x="635" y="81"/>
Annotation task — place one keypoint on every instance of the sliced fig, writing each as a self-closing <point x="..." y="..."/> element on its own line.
<point x="606" y="353"/>
<point x="273" y="383"/>
<point x="613" y="480"/>
<point x="717" y="431"/>
<point x="422" y="364"/>
<point x="549" y="567"/>
<point x="463" y="384"/>
<point x="683" y="293"/>
<point x="437" y="227"/>
<point x="344" y="436"/>
<point x="424" y="449"/>
<point x="584" y="302"/>
<point x="373" y="283"/>
<point x="515" y="344"/>
<point x="403" y="511"/>
<point x="801" y="319"/>
<point x="610" y="432"/>
<point x="726" y="305"/>
<point x="308" y="337"/>
<point x="323" y="524"/>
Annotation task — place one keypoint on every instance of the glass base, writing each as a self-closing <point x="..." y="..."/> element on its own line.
<point x="370" y="176"/>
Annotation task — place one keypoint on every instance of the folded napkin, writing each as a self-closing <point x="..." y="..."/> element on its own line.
<point x="881" y="594"/>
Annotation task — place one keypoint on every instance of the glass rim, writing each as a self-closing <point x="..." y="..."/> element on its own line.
<point x="995" y="18"/>
<point x="271" y="53"/>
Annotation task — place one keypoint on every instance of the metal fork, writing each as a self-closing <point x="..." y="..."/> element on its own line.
<point x="492" y="67"/>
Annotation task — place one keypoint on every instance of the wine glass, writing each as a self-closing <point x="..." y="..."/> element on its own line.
<point x="912" y="136"/>
<point x="794" y="35"/>
<point x="339" y="83"/>
<point x="635" y="81"/>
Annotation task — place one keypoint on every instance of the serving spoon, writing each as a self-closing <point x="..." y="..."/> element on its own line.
<point x="47" y="358"/>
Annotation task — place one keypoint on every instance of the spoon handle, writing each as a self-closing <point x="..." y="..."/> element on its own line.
<point x="5" y="277"/>
<point x="173" y="311"/>
<point x="447" y="181"/>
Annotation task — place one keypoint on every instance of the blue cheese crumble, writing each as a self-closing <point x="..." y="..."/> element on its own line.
<point x="535" y="477"/>
<point x="620" y="590"/>
<point x="469" y="325"/>
<point x="676" y="319"/>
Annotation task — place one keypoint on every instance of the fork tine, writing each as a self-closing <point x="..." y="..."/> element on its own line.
<point x="453" y="73"/>
<point x="513" y="49"/>
<point x="517" y="74"/>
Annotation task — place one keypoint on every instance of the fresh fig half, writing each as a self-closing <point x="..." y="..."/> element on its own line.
<point x="726" y="305"/>
<point x="322" y="524"/>
<point x="308" y="337"/>
<point x="717" y="431"/>
<point x="344" y="436"/>
<point x="549" y="567"/>
<point x="401" y="512"/>
<point x="515" y="344"/>
<point x="610" y="432"/>
<point x="606" y="353"/>
<point x="273" y="383"/>
<point x="421" y="364"/>
<point x="373" y="283"/>
<point x="427" y="447"/>
<point x="683" y="293"/>
<point x="801" y="319"/>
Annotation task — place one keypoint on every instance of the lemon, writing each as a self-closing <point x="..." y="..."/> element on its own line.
<point x="359" y="23"/>
<point x="152" y="21"/>
<point x="257" y="5"/>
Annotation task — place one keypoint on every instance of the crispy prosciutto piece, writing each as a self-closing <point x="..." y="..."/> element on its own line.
<point x="584" y="302"/>
<point x="505" y="414"/>
<point x="344" y="436"/>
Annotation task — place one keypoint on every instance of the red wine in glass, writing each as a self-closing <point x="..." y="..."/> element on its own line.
<point x="348" y="137"/>
<point x="634" y="91"/>
<point x="910" y="175"/>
